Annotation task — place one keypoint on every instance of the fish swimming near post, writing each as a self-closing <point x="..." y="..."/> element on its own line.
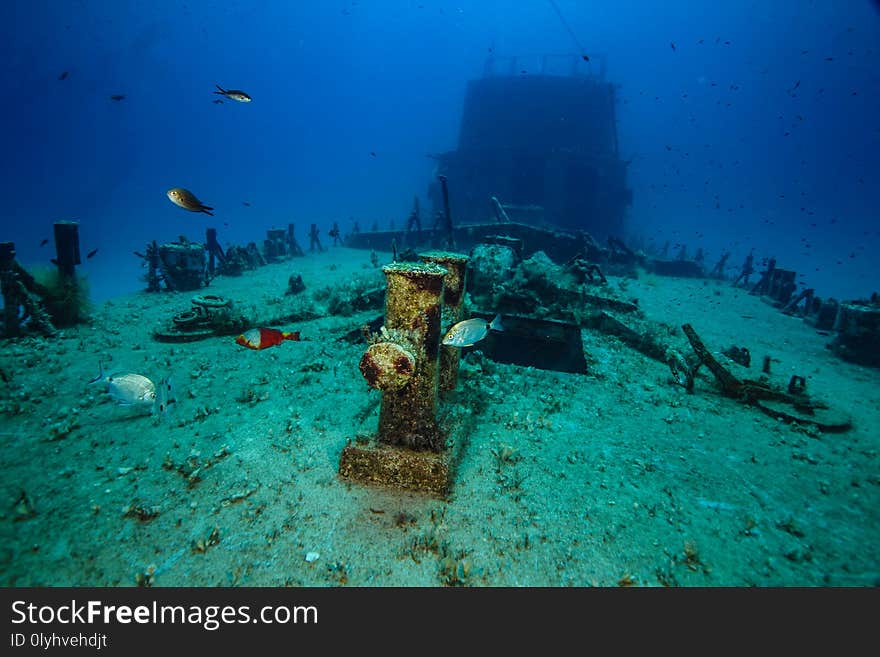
<point x="130" y="389"/>
<point x="44" y="242"/>
<point x="187" y="200"/>
<point x="260" y="338"/>
<point x="471" y="331"/>
<point x="233" y="94"/>
<point x="91" y="254"/>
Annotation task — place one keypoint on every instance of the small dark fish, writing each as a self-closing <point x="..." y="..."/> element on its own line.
<point x="372" y="153"/>
<point x="218" y="102"/>
<point x="44" y="242"/>
<point x="54" y="261"/>
<point x="672" y="45"/>
<point x="117" y="97"/>
<point x="91" y="254"/>
<point x="63" y="75"/>
<point x="246" y="203"/>
<point x="234" y="94"/>
<point x="586" y="58"/>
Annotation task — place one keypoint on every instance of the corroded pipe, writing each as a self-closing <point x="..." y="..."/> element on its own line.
<point x="412" y="318"/>
<point x="67" y="248"/>
<point x="9" y="289"/>
<point x="450" y="240"/>
<point x="453" y="302"/>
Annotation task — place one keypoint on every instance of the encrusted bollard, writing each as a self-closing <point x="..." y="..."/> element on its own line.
<point x="412" y="310"/>
<point x="453" y="301"/>
<point x="410" y="450"/>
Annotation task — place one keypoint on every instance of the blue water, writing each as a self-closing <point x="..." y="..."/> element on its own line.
<point x="758" y="129"/>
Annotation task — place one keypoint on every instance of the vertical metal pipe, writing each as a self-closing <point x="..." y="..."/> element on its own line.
<point x="210" y="240"/>
<point x="9" y="290"/>
<point x="67" y="247"/>
<point x="453" y="301"/>
<point x="450" y="242"/>
<point x="412" y="307"/>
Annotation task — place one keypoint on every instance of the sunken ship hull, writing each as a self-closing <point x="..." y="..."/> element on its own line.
<point x="544" y="144"/>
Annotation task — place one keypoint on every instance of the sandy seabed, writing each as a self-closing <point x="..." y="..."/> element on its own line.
<point x="616" y="477"/>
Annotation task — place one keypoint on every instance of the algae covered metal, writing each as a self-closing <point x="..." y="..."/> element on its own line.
<point x="410" y="449"/>
<point x="453" y="304"/>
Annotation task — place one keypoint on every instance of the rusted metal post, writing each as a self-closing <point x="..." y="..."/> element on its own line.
<point x="293" y="246"/>
<point x="412" y="307"/>
<point x="67" y="248"/>
<point x="410" y="450"/>
<point x="453" y="302"/>
<point x="450" y="240"/>
<point x="215" y="251"/>
<point x="11" y="300"/>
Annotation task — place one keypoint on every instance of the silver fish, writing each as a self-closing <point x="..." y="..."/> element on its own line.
<point x="130" y="389"/>
<point x="471" y="331"/>
<point x="234" y="94"/>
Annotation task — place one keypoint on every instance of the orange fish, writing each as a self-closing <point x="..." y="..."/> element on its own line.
<point x="260" y="338"/>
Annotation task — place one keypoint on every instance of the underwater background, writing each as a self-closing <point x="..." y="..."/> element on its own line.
<point x="759" y="129"/>
<point x="652" y="425"/>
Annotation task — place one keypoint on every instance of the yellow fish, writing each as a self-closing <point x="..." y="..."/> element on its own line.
<point x="187" y="200"/>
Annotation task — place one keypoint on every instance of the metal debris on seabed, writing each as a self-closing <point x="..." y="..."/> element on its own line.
<point x="237" y="497"/>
